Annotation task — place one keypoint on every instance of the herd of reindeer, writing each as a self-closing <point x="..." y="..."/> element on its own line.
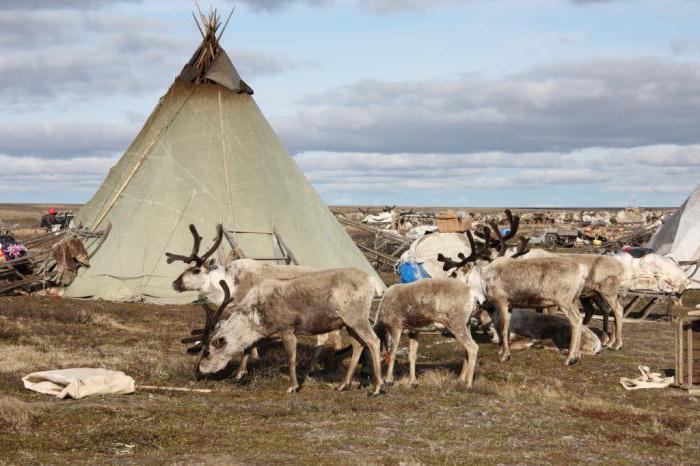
<point x="268" y="301"/>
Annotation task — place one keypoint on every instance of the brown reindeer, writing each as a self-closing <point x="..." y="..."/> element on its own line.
<point x="311" y="304"/>
<point x="507" y="282"/>
<point x="418" y="304"/>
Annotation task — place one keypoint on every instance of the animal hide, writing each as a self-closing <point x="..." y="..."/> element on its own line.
<point x="69" y="254"/>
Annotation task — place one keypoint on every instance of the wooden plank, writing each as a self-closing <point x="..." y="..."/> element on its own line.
<point x="690" y="354"/>
<point x="630" y="307"/>
<point x="679" y="352"/>
<point x="20" y="283"/>
<point x="648" y="308"/>
<point x="381" y="255"/>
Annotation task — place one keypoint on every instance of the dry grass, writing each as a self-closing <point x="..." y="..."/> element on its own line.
<point x="530" y="410"/>
<point x="16" y="416"/>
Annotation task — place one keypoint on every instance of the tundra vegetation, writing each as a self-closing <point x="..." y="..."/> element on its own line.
<point x="530" y="410"/>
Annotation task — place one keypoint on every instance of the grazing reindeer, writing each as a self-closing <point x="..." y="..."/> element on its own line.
<point x="418" y="304"/>
<point x="240" y="275"/>
<point x="530" y="283"/>
<point x="311" y="304"/>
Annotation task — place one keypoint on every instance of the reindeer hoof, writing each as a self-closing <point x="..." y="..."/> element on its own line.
<point x="505" y="357"/>
<point x="342" y="388"/>
<point x="239" y="377"/>
<point x="389" y="383"/>
<point x="572" y="361"/>
<point x="375" y="393"/>
<point x="293" y="389"/>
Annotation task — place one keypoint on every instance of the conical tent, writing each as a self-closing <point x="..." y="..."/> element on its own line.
<point x="679" y="237"/>
<point x="205" y="156"/>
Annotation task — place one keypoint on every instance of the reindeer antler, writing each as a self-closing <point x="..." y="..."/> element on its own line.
<point x="449" y="263"/>
<point x="522" y="247"/>
<point x="514" y="222"/>
<point x="194" y="255"/>
<point x="200" y="336"/>
<point x="215" y="246"/>
<point x="195" y="249"/>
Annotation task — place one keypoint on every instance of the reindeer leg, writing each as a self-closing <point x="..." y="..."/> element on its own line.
<point x="254" y="354"/>
<point x="573" y="314"/>
<point x="412" y="357"/>
<point x="395" y="340"/>
<point x="354" y="359"/>
<point x="504" y="330"/>
<point x="464" y="336"/>
<point x="363" y="330"/>
<point x="289" y="340"/>
<point x="243" y="366"/>
<point x="321" y="341"/>
<point x="618" y="314"/>
<point x="588" y="308"/>
<point x="604" y="304"/>
<point x="335" y="341"/>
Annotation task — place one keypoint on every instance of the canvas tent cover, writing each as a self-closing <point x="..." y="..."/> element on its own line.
<point x="679" y="237"/>
<point x="205" y="156"/>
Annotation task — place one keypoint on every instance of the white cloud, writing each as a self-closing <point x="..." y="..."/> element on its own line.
<point x="630" y="170"/>
<point x="609" y="103"/>
<point x="31" y="174"/>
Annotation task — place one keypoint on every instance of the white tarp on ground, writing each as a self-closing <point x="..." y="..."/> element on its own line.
<point x="679" y="237"/>
<point x="78" y="383"/>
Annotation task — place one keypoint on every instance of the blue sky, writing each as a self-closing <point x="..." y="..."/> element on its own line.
<point x="420" y="102"/>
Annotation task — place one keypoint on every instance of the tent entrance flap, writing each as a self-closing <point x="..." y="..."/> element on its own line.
<point x="279" y="251"/>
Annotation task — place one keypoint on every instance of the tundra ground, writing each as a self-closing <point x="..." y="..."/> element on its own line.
<point x="531" y="410"/>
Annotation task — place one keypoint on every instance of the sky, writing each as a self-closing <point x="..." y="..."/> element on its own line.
<point x="502" y="103"/>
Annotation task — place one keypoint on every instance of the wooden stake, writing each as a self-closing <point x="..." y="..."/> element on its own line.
<point x="172" y="389"/>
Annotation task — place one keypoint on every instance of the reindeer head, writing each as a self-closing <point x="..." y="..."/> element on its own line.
<point x="220" y="341"/>
<point x="485" y="253"/>
<point x="476" y="253"/>
<point x="500" y="245"/>
<point x="204" y="272"/>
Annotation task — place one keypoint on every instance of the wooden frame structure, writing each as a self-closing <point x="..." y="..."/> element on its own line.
<point x="644" y="302"/>
<point x="382" y="249"/>
<point x="286" y="258"/>
<point x="687" y="346"/>
<point x="12" y="278"/>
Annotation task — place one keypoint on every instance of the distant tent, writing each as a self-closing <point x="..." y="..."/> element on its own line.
<point x="206" y="155"/>
<point x="679" y="237"/>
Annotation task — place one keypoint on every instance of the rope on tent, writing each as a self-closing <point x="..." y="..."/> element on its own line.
<point x="223" y="155"/>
